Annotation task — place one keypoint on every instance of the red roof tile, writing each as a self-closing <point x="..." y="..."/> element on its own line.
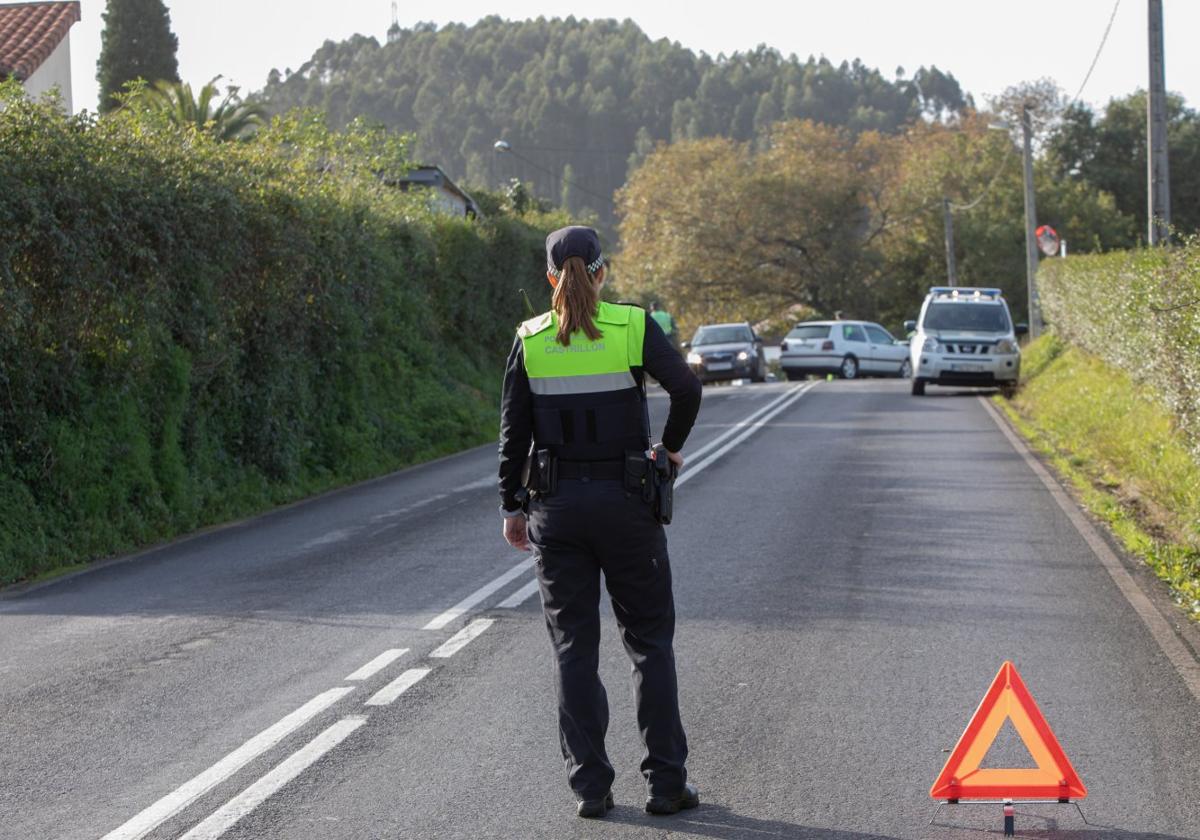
<point x="29" y="33"/>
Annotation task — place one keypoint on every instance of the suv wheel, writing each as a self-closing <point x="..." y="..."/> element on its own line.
<point x="849" y="369"/>
<point x="906" y="369"/>
<point x="918" y="387"/>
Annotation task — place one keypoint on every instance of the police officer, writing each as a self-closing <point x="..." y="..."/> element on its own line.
<point x="663" y="318"/>
<point x="573" y="388"/>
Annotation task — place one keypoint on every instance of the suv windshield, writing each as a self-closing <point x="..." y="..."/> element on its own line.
<point x="810" y="331"/>
<point x="978" y="317"/>
<point x="721" y="335"/>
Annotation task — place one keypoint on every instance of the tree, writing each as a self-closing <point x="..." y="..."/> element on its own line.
<point x="232" y="119"/>
<point x="723" y="230"/>
<point x="829" y="219"/>
<point x="137" y="43"/>
<point x="1108" y="152"/>
<point x="590" y="94"/>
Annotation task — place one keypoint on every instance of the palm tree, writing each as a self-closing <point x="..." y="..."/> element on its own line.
<point x="232" y="119"/>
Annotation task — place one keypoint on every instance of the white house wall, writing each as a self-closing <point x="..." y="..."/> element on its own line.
<point x="55" y="71"/>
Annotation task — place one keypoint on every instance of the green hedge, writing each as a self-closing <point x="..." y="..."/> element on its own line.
<point x="193" y="331"/>
<point x="1139" y="311"/>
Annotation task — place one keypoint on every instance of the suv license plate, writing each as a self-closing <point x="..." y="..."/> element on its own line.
<point x="720" y="366"/>
<point x="967" y="368"/>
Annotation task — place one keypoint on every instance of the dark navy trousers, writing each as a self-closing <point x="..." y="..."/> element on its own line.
<point x="589" y="527"/>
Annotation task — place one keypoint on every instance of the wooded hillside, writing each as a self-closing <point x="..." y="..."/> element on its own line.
<point x="586" y="98"/>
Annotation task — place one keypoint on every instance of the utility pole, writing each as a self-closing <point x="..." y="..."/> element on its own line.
<point x="951" y="268"/>
<point x="1031" y="248"/>
<point x="1158" y="192"/>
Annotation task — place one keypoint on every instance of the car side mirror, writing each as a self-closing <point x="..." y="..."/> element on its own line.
<point x="1022" y="329"/>
<point x="758" y="339"/>
<point x="910" y="326"/>
<point x="686" y="345"/>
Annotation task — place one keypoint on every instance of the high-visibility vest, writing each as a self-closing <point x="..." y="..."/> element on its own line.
<point x="587" y="405"/>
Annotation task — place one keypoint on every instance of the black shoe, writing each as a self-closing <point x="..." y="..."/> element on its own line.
<point x="591" y="809"/>
<point x="689" y="798"/>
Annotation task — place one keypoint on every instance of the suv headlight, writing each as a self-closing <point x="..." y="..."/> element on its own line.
<point x="743" y="356"/>
<point x="694" y="359"/>
<point x="930" y="345"/>
<point x="1005" y="347"/>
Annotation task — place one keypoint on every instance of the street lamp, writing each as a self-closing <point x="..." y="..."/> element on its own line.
<point x="1031" y="255"/>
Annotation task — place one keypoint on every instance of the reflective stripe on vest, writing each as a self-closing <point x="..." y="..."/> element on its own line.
<point x="591" y="383"/>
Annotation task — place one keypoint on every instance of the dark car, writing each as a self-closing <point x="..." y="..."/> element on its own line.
<point x="726" y="351"/>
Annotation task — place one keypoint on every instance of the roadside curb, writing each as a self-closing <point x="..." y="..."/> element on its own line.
<point x="1173" y="632"/>
<point x="18" y="590"/>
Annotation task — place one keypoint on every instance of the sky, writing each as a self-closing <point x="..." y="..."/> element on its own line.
<point x="987" y="44"/>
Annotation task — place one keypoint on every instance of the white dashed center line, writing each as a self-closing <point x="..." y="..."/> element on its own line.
<point x="466" y="604"/>
<point x="189" y="791"/>
<point x="520" y="596"/>
<point x="462" y="638"/>
<point x="398" y="686"/>
<point x="377" y="664"/>
<point x="291" y="767"/>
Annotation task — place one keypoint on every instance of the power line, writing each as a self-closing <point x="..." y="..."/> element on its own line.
<point x="1099" y="50"/>
<point x="565" y="180"/>
<point x="1008" y="147"/>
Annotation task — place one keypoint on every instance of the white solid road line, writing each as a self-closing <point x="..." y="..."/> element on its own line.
<point x="462" y="638"/>
<point x="464" y="606"/>
<point x="188" y="792"/>
<point x="741" y="424"/>
<point x="386" y="695"/>
<point x="291" y="767"/>
<point x="377" y="664"/>
<point x="746" y="431"/>
<point x="520" y="596"/>
<point x="1185" y="664"/>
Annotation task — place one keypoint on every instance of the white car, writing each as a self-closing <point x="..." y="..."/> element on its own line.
<point x="849" y="349"/>
<point x="965" y="336"/>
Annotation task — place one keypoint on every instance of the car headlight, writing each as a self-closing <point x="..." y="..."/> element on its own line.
<point x="694" y="359"/>
<point x="743" y="356"/>
<point x="930" y="346"/>
<point x="1005" y="347"/>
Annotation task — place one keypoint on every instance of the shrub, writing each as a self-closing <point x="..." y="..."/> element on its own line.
<point x="193" y="330"/>
<point x="1140" y="311"/>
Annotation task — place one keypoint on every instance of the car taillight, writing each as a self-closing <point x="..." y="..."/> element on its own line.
<point x="828" y="345"/>
<point x="783" y="345"/>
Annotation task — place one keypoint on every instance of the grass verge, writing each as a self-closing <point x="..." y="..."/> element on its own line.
<point x="1123" y="454"/>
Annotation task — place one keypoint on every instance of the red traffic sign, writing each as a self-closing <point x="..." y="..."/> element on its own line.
<point x="1047" y="240"/>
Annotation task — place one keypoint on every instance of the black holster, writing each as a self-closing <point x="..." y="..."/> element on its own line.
<point x="664" y="485"/>
<point x="653" y="479"/>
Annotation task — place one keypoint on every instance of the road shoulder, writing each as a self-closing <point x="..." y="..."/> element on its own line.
<point x="1175" y="635"/>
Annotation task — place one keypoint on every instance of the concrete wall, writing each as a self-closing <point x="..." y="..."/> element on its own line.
<point x="450" y="203"/>
<point x="55" y="71"/>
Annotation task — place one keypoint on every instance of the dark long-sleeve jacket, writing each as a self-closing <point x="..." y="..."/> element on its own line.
<point x="659" y="359"/>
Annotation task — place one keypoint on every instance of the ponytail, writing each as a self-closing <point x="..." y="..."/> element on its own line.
<point x="575" y="301"/>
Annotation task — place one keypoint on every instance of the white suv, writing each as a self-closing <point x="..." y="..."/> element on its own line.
<point x="965" y="336"/>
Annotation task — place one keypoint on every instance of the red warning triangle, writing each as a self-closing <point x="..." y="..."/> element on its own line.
<point x="1008" y="699"/>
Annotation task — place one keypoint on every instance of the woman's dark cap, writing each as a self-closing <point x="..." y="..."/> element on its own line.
<point x="574" y="241"/>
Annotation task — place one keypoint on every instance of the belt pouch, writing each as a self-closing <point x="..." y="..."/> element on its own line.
<point x="637" y="477"/>
<point x="547" y="469"/>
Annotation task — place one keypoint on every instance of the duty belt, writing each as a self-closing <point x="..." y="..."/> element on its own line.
<point x="599" y="470"/>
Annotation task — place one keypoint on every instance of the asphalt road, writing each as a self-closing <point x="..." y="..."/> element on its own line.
<point x="852" y="565"/>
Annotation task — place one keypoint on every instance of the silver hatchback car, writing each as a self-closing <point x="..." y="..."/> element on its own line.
<point x="848" y="349"/>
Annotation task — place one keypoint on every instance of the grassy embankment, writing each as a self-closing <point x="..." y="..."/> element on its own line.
<point x="1122" y="452"/>
<point x="194" y="331"/>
